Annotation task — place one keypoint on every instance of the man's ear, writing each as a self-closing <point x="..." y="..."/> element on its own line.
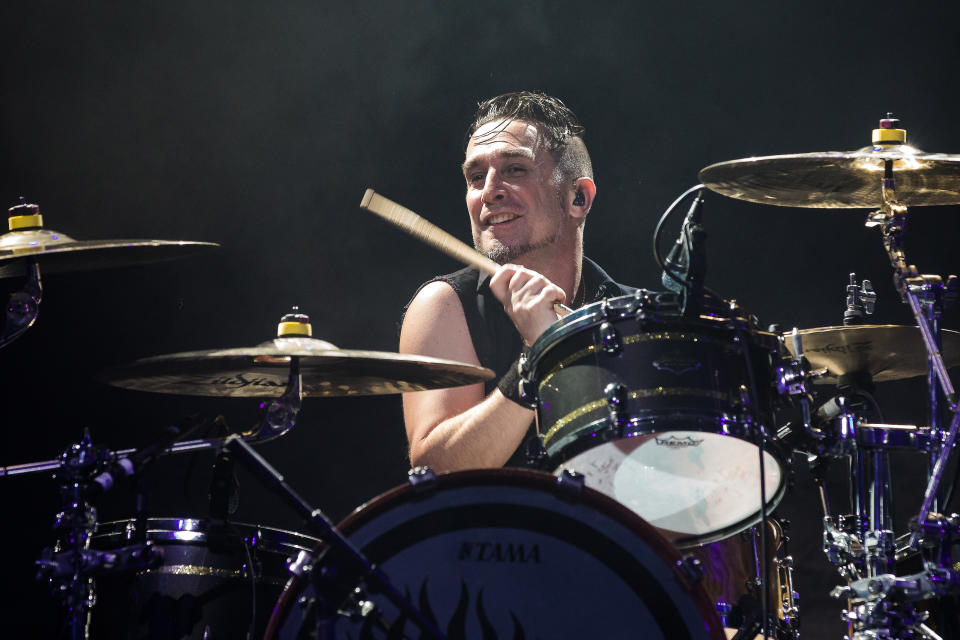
<point x="581" y="198"/>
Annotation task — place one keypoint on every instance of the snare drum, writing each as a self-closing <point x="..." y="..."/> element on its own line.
<point x="215" y="582"/>
<point x="656" y="410"/>
<point x="512" y="553"/>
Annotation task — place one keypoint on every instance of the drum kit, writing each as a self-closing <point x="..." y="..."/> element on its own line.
<point x="663" y="450"/>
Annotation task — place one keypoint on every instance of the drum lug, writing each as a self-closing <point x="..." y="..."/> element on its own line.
<point x="571" y="482"/>
<point x="617" y="396"/>
<point x="422" y="479"/>
<point x="609" y="339"/>
<point x="302" y="564"/>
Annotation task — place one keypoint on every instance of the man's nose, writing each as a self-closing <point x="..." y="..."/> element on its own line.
<point x="493" y="188"/>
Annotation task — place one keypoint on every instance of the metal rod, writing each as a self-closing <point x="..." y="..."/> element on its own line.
<point x="935" y="477"/>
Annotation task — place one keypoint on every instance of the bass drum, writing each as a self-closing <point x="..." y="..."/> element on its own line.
<point x="514" y="554"/>
<point x="214" y="582"/>
<point x="657" y="410"/>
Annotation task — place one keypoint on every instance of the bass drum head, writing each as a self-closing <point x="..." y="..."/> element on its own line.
<point x="696" y="487"/>
<point x="515" y="554"/>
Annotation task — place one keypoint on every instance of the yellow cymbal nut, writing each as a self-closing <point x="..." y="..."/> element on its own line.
<point x="889" y="136"/>
<point x="31" y="221"/>
<point x="285" y="329"/>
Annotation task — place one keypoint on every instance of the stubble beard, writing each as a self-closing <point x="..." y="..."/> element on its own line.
<point x="502" y="254"/>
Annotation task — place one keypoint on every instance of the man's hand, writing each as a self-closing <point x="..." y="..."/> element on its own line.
<point x="528" y="299"/>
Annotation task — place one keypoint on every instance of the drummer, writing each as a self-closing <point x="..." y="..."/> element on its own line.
<point x="529" y="189"/>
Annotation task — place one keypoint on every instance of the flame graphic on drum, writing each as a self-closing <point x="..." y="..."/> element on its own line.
<point x="456" y="627"/>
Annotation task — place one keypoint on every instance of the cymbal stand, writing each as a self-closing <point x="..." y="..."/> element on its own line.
<point x="881" y="603"/>
<point x="23" y="306"/>
<point x="892" y="219"/>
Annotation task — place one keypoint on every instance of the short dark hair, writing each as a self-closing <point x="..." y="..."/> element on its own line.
<point x="561" y="129"/>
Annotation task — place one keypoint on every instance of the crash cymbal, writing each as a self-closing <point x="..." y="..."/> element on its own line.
<point x="57" y="252"/>
<point x="838" y="179"/>
<point x="261" y="371"/>
<point x="886" y="352"/>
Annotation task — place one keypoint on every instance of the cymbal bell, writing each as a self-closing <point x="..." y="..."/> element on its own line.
<point x="262" y="371"/>
<point x="887" y="352"/>
<point x="838" y="179"/>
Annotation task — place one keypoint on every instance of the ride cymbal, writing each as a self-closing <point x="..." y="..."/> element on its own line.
<point x="886" y="352"/>
<point x="262" y="371"/>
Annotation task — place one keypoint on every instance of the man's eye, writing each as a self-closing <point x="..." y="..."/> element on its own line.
<point x="474" y="178"/>
<point x="516" y="170"/>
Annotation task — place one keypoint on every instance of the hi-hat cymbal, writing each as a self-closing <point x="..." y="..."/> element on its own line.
<point x="58" y="252"/>
<point x="887" y="352"/>
<point x="838" y="179"/>
<point x="261" y="371"/>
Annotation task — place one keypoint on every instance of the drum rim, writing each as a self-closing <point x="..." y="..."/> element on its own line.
<point x="521" y="479"/>
<point x="591" y="315"/>
<point x="164" y="529"/>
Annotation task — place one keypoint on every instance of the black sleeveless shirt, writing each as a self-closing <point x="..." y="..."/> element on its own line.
<point x="494" y="337"/>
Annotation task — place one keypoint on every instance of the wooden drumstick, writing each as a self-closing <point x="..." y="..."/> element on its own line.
<point x="433" y="235"/>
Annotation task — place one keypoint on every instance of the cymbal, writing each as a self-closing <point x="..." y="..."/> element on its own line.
<point x="838" y="179"/>
<point x="887" y="351"/>
<point x="262" y="371"/>
<point x="58" y="252"/>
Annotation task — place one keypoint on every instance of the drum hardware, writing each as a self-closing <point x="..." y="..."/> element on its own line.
<point x="925" y="295"/>
<point x="344" y="565"/>
<point x="889" y="176"/>
<point x="861" y="301"/>
<point x="83" y="471"/>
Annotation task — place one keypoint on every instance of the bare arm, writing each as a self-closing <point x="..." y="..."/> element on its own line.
<point x="459" y="428"/>
<point x="456" y="428"/>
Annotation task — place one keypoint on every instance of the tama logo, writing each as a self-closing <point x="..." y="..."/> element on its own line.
<point x="499" y="552"/>
<point x="673" y="442"/>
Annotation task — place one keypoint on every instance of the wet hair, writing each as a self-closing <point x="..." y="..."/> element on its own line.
<point x="560" y="128"/>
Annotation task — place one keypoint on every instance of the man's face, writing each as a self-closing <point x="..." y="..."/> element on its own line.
<point x="515" y="201"/>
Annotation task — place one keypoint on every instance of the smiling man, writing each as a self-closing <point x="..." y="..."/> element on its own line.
<point x="529" y="187"/>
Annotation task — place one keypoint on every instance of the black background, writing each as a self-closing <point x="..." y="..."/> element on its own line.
<point x="259" y="125"/>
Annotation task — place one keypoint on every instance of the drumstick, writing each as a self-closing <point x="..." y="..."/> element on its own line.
<point x="433" y="235"/>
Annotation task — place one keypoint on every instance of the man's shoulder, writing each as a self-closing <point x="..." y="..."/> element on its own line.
<point x="442" y="294"/>
<point x="462" y="282"/>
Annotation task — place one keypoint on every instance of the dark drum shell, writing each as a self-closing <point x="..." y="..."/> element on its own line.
<point x="622" y="387"/>
<point x="214" y="582"/>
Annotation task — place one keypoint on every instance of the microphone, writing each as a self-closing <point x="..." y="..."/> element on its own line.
<point x="684" y="267"/>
